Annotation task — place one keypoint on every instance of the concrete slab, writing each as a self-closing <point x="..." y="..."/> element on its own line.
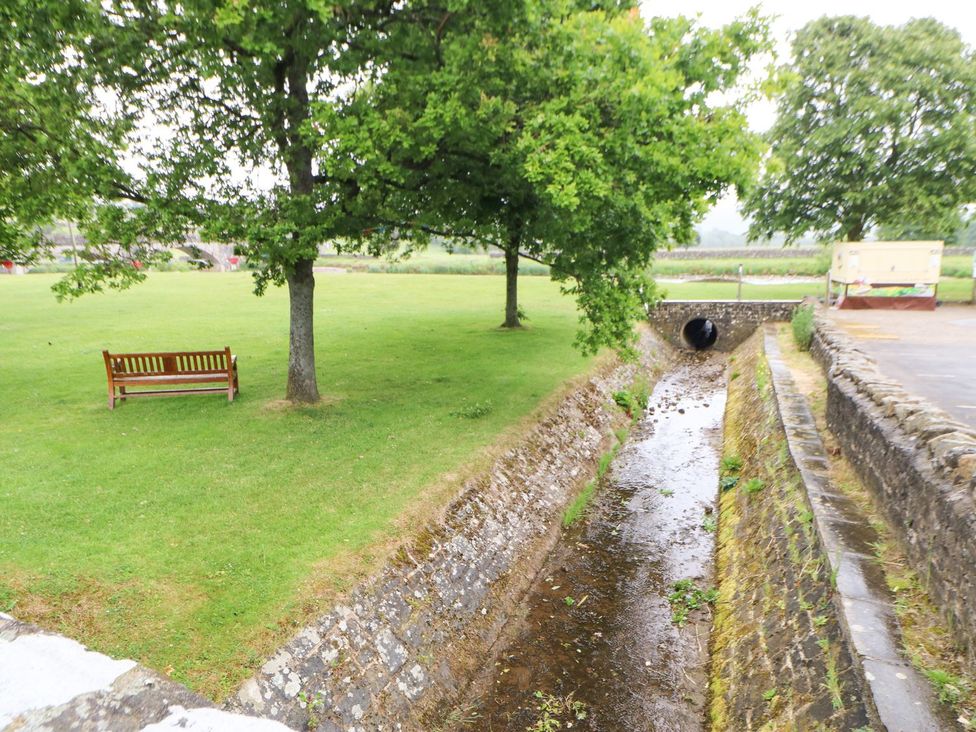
<point x="932" y="354"/>
<point x="902" y="698"/>
<point x="51" y="683"/>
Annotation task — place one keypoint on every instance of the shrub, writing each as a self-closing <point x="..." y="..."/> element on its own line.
<point x="803" y="327"/>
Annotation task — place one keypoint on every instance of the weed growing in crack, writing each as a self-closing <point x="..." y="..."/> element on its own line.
<point x="832" y="680"/>
<point x="731" y="464"/>
<point x="555" y="710"/>
<point x="949" y="688"/>
<point x="634" y="400"/>
<point x="753" y="485"/>
<point x="688" y="596"/>
<point x="315" y="705"/>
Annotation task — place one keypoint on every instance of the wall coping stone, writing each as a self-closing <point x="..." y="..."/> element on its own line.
<point x="930" y="427"/>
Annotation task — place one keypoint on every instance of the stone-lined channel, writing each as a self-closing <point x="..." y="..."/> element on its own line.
<point x="598" y="627"/>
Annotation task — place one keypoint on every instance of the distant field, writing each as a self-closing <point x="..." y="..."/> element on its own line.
<point x="951" y="289"/>
<point x="193" y="534"/>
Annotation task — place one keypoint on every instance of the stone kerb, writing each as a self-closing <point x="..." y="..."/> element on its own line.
<point x="919" y="462"/>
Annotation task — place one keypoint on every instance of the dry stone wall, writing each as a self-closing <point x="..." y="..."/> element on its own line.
<point x="919" y="462"/>
<point x="399" y="653"/>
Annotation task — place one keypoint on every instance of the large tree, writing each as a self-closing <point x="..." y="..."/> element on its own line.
<point x="579" y="138"/>
<point x="583" y="139"/>
<point x="876" y="127"/>
<point x="211" y="101"/>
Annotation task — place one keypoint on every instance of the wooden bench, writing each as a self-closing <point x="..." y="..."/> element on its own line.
<point x="181" y="368"/>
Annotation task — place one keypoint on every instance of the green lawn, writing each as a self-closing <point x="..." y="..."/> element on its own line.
<point x="193" y="534"/>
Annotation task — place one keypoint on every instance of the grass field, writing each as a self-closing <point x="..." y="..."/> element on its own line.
<point x="436" y="260"/>
<point x="951" y="289"/>
<point x="193" y="534"/>
<point x="955" y="266"/>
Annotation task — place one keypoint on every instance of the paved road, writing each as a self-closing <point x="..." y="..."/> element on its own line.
<point x="933" y="354"/>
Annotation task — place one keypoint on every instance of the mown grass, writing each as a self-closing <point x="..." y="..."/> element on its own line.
<point x="194" y="535"/>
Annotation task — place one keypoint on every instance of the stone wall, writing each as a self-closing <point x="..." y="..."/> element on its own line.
<point x="920" y="464"/>
<point x="398" y="655"/>
<point x="735" y="320"/>
<point x="777" y="635"/>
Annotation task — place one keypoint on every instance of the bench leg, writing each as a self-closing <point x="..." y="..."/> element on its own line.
<point x="111" y="399"/>
<point x="230" y="393"/>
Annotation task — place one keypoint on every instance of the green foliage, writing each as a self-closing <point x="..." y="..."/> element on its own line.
<point x="58" y="139"/>
<point x="474" y="411"/>
<point x="634" y="400"/>
<point x="802" y="324"/>
<point x="583" y="139"/>
<point x="728" y="482"/>
<point x="731" y="464"/>
<point x="753" y="485"/>
<point x="709" y="523"/>
<point x="556" y="713"/>
<point x="687" y="596"/>
<point x="886" y="140"/>
<point x="949" y="688"/>
<point x="579" y="504"/>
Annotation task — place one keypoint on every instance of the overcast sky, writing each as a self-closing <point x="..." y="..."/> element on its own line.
<point x="789" y="17"/>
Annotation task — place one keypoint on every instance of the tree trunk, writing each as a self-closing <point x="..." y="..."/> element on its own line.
<point x="855" y="231"/>
<point x="302" y="386"/>
<point x="511" y="288"/>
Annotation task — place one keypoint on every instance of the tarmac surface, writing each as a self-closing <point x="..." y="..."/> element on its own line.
<point x="933" y="354"/>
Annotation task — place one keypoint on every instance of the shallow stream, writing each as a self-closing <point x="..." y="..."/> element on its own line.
<point x="598" y="646"/>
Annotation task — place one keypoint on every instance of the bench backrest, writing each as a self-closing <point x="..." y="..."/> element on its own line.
<point x="174" y="362"/>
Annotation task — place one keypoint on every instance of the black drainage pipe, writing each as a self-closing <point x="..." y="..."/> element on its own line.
<point x="700" y="333"/>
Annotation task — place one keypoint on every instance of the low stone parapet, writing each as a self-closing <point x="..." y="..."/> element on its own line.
<point x="919" y="462"/>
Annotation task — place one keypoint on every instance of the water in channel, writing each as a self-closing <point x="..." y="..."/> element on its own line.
<point x="598" y="636"/>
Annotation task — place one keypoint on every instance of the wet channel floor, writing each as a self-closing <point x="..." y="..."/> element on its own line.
<point x="598" y="628"/>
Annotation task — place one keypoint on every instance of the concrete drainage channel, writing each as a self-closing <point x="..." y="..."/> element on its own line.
<point x="615" y="633"/>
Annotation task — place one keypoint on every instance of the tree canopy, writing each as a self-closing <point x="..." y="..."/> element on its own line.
<point x="573" y="133"/>
<point x="583" y="139"/>
<point x="58" y="142"/>
<point x="876" y="127"/>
